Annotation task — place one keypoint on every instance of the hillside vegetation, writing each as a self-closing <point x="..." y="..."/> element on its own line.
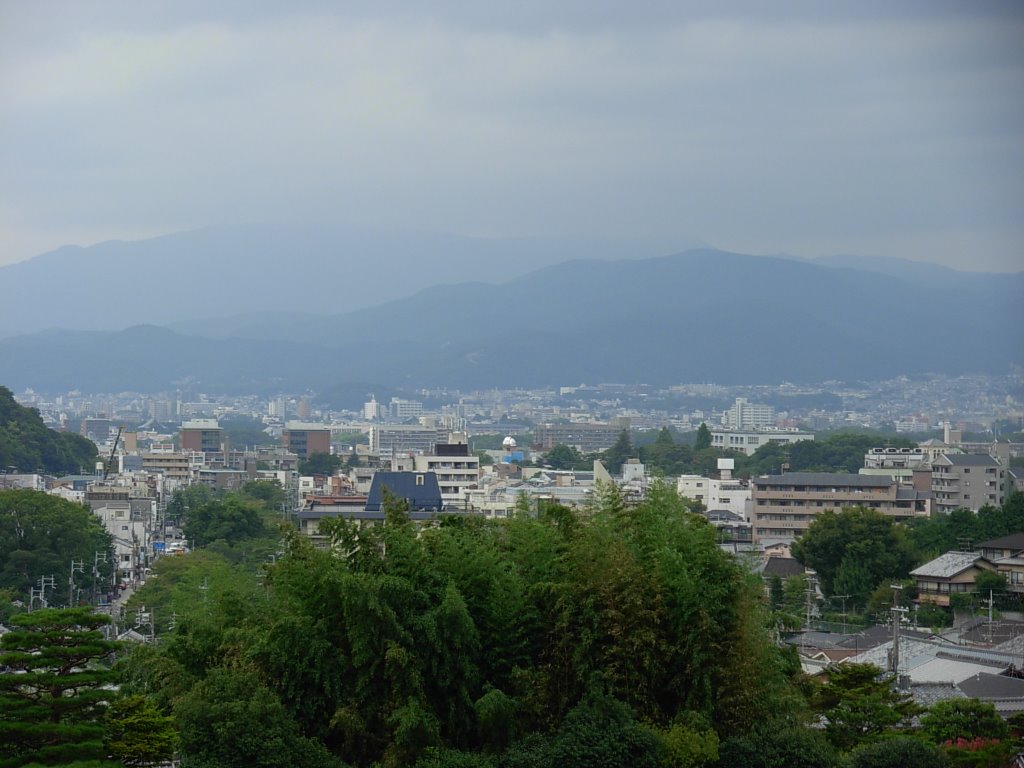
<point x="28" y="445"/>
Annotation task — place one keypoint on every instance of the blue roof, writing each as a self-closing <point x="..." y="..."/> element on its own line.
<point x="420" y="489"/>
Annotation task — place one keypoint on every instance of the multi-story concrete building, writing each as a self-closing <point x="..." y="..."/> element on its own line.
<point x="201" y="436"/>
<point x="749" y="441"/>
<point x="784" y="505"/>
<point x="457" y="471"/>
<point x="746" y="416"/>
<point x="722" y="494"/>
<point x="967" y="480"/>
<point x="173" y="466"/>
<point x="587" y="437"/>
<point x="305" y="439"/>
<point x="402" y="409"/>
<point x="388" y="440"/>
<point x="895" y="458"/>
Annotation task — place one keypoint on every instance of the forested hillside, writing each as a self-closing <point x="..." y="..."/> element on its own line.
<point x="28" y="445"/>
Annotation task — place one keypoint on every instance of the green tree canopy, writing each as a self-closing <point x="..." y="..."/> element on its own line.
<point x="859" y="705"/>
<point x="231" y="719"/>
<point x="616" y="456"/>
<point x="28" y="445"/>
<point x="564" y="457"/>
<point x="40" y="535"/>
<point x="320" y="464"/>
<point x="703" y="440"/>
<point x="137" y="734"/>
<point x="873" y="547"/>
<point x="897" y="752"/>
<point x="963" y="719"/>
<point x="54" y="689"/>
<point x="230" y="520"/>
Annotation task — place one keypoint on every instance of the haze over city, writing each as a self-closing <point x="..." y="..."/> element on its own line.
<point x="810" y="130"/>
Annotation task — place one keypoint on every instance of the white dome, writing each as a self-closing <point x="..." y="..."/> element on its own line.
<point x="509" y="442"/>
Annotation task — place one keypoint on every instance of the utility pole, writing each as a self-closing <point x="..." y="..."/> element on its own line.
<point x="897" y="615"/>
<point x="97" y="558"/>
<point x="843" y="598"/>
<point x="39" y="593"/>
<point x="990" y="601"/>
<point x="811" y="593"/>
<point x="79" y="566"/>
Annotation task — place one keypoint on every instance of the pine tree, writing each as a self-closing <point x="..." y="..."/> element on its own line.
<point x="703" y="438"/>
<point x="55" y="689"/>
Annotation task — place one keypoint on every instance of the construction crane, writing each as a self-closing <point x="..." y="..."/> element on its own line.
<point x="110" y="460"/>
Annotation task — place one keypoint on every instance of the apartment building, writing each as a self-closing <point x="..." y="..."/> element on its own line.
<point x="967" y="480"/>
<point x="744" y="415"/>
<point x="587" y="437"/>
<point x="391" y="439"/>
<point x="201" y="436"/>
<point x="783" y="506"/>
<point x="457" y="471"/>
<point x="305" y="439"/>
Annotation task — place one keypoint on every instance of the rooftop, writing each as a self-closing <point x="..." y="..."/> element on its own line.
<point x="829" y="479"/>
<point x="947" y="565"/>
<point x="969" y="459"/>
<point x="1013" y="541"/>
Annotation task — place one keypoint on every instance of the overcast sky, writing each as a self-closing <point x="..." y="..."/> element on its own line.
<point x="892" y="129"/>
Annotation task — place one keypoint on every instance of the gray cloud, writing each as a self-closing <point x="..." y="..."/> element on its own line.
<point x="823" y="129"/>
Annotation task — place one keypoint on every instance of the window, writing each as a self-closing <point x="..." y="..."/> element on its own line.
<point x="124" y="527"/>
<point x="419" y="479"/>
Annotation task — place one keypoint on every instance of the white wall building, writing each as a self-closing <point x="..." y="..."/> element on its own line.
<point x="716" y="494"/>
<point x="131" y="534"/>
<point x="749" y="441"/>
<point x="744" y="415"/>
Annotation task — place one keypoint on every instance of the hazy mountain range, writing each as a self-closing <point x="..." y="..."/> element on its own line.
<point x="698" y="315"/>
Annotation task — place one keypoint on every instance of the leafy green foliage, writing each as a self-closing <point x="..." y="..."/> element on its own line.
<point x="136" y="734"/>
<point x="244" y="432"/>
<point x="28" y="445"/>
<point x="963" y="719"/>
<point x="616" y="456"/>
<point x="320" y="464"/>
<point x="860" y="705"/>
<point x="942" y="533"/>
<point x="862" y="546"/>
<point x="785" y="747"/>
<point x="897" y="752"/>
<point x="230" y="520"/>
<point x="608" y="637"/>
<point x="566" y="457"/>
<point x="836" y="452"/>
<point x="53" y="690"/>
<point x="41" y="534"/>
<point x="231" y="719"/>
<point x="703" y="438"/>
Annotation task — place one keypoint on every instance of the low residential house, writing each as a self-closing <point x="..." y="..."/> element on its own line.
<point x="1007" y="555"/>
<point x="949" y="574"/>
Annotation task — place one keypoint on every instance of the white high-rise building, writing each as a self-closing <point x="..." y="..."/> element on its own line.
<point x="744" y="415"/>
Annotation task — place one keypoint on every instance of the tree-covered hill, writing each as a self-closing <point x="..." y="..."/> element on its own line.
<point x="28" y="445"/>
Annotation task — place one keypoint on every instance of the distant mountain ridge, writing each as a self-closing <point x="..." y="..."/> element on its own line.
<point x="309" y="269"/>
<point x="699" y="315"/>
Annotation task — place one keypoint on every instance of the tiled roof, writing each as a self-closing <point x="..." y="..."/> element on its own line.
<point x="420" y="489"/>
<point x="1013" y="541"/>
<point x="986" y="685"/>
<point x="783" y="567"/>
<point x="947" y="565"/>
<point x="970" y="460"/>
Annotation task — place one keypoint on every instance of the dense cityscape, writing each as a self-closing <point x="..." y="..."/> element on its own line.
<point x="511" y="385"/>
